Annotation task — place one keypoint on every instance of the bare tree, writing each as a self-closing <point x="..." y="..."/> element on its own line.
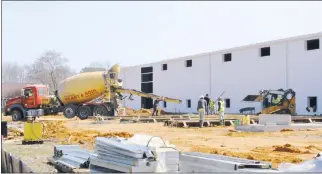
<point x="96" y="66"/>
<point x="49" y="69"/>
<point x="13" y="73"/>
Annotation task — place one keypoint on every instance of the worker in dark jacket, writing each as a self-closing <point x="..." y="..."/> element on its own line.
<point x="155" y="106"/>
<point x="201" y="110"/>
<point x="207" y="104"/>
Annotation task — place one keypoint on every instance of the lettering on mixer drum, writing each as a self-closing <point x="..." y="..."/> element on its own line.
<point x="72" y="97"/>
<point x="89" y="93"/>
<point x="85" y="94"/>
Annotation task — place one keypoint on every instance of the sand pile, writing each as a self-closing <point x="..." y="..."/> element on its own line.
<point x="261" y="154"/>
<point x="14" y="133"/>
<point x="233" y="133"/>
<point x="314" y="148"/>
<point x="288" y="148"/>
<point x="56" y="131"/>
<point x="286" y="130"/>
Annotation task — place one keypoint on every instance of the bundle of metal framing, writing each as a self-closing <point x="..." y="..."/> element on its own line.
<point x="66" y="158"/>
<point x="117" y="154"/>
<point x="202" y="162"/>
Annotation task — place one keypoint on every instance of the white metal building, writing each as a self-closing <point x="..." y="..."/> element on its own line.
<point x="294" y="63"/>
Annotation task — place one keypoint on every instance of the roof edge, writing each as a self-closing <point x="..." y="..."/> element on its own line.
<point x="288" y="39"/>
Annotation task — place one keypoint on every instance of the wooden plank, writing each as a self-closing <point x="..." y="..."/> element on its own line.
<point x="310" y="120"/>
<point x="185" y="124"/>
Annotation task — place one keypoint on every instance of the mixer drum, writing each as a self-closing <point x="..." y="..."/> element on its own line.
<point x="81" y="88"/>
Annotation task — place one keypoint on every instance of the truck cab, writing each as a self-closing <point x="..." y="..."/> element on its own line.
<point x="32" y="97"/>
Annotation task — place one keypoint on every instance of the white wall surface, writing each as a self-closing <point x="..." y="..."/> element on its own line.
<point x="289" y="65"/>
<point x="247" y="74"/>
<point x="183" y="82"/>
<point x="131" y="77"/>
<point x="305" y="73"/>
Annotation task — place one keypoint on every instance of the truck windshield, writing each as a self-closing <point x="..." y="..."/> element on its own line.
<point x="42" y="92"/>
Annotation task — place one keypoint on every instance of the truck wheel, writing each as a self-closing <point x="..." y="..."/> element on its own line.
<point x="16" y="115"/>
<point x="100" y="110"/>
<point x="84" y="112"/>
<point x="69" y="111"/>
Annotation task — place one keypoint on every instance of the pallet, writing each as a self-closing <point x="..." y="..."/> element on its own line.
<point x="26" y="142"/>
<point x="306" y="119"/>
<point x="195" y="123"/>
<point x="156" y="119"/>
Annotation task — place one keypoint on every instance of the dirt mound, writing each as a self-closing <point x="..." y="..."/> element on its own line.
<point x="288" y="148"/>
<point x="56" y="131"/>
<point x="269" y="156"/>
<point x="232" y="133"/>
<point x="286" y="130"/>
<point x="312" y="147"/>
<point x="14" y="133"/>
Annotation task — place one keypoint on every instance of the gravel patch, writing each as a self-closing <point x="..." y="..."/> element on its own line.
<point x="35" y="156"/>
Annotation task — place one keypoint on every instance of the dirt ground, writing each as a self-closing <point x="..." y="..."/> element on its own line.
<point x="35" y="156"/>
<point x="287" y="146"/>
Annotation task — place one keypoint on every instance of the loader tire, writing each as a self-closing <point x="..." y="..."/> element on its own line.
<point x="84" y="112"/>
<point x="69" y="111"/>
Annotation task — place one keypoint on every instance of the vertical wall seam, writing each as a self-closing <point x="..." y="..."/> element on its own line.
<point x="210" y="78"/>
<point x="287" y="67"/>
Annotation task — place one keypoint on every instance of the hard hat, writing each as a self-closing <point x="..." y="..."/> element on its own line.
<point x="201" y="96"/>
<point x="220" y="98"/>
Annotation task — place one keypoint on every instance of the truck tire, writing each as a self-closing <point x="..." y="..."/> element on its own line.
<point x="100" y="110"/>
<point x="16" y="115"/>
<point x="84" y="112"/>
<point x="69" y="111"/>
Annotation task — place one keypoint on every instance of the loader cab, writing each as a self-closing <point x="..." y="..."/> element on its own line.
<point x="269" y="100"/>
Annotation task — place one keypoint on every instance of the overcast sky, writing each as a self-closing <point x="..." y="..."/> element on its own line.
<point x="132" y="33"/>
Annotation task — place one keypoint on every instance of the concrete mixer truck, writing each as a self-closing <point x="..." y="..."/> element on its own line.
<point x="75" y="95"/>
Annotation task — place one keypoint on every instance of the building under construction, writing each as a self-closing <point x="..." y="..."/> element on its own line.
<point x="286" y="63"/>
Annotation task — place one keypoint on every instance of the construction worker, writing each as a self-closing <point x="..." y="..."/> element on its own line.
<point x="212" y="107"/>
<point x="201" y="110"/>
<point x="276" y="100"/>
<point x="221" y="110"/>
<point x="207" y="103"/>
<point x="155" y="107"/>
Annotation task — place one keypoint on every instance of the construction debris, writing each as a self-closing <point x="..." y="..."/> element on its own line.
<point x="269" y="154"/>
<point x="202" y="162"/>
<point x="55" y="130"/>
<point x="141" y="153"/>
<point x="313" y="165"/>
<point x="276" y="123"/>
<point x="67" y="158"/>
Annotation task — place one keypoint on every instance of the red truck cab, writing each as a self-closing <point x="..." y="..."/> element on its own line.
<point x="32" y="97"/>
